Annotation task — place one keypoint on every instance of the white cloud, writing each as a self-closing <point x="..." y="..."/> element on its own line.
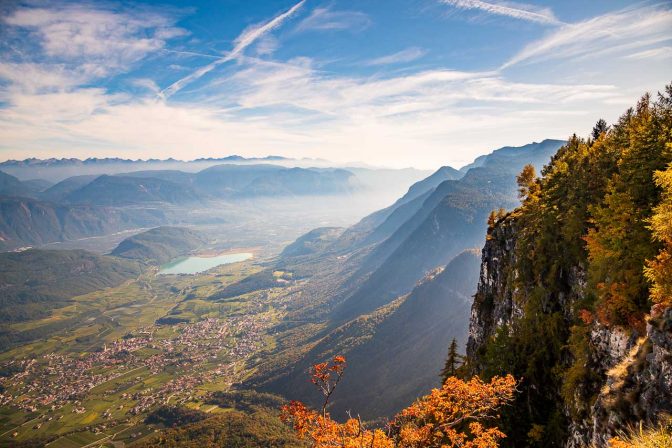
<point x="325" y="19"/>
<point x="520" y="11"/>
<point x="406" y="55"/>
<point x="148" y="84"/>
<point x="260" y="84"/>
<point x="423" y="119"/>
<point x="111" y="40"/>
<point x="32" y="77"/>
<point x="267" y="45"/>
<point x="244" y="40"/>
<point x="622" y="30"/>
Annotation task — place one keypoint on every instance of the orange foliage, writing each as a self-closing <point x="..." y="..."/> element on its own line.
<point x="659" y="270"/>
<point x="451" y="416"/>
<point x="618" y="443"/>
<point x="586" y="316"/>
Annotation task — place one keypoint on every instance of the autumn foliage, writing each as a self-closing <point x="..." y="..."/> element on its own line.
<point x="456" y="415"/>
<point x="659" y="270"/>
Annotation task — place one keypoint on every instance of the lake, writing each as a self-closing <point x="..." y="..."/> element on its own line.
<point x="194" y="265"/>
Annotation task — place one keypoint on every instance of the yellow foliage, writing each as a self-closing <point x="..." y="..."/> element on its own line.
<point x="659" y="270"/>
<point x="658" y="437"/>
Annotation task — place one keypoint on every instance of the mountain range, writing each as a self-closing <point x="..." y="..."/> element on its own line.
<point x="35" y="213"/>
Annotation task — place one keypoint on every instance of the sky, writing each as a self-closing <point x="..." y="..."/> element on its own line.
<point x="394" y="83"/>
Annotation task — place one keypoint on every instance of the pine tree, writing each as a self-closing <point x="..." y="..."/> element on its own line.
<point x="453" y="362"/>
<point x="599" y="129"/>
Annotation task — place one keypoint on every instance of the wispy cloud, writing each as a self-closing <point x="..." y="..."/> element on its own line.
<point x="324" y="19"/>
<point x="296" y="109"/>
<point x="520" y="11"/>
<point x="653" y="53"/>
<point x="260" y="84"/>
<point x="406" y="55"/>
<point x="79" y="34"/>
<point x="612" y="32"/>
<point x="244" y="40"/>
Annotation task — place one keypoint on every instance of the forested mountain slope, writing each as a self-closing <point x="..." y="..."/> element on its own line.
<point x="451" y="219"/>
<point x="395" y="353"/>
<point x="574" y="296"/>
<point x="30" y="222"/>
<point x="121" y="190"/>
<point x="317" y="240"/>
<point x="34" y="282"/>
<point x="159" y="245"/>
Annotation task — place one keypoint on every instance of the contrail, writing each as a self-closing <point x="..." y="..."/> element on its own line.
<point x="244" y="40"/>
<point x="524" y="12"/>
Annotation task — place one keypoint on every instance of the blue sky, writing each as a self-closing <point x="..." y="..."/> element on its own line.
<point x="388" y="82"/>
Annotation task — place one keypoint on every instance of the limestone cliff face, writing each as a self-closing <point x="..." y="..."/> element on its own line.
<point x="633" y="371"/>
<point x="493" y="305"/>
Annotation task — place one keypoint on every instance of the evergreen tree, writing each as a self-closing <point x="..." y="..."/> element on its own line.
<point x="599" y="129"/>
<point x="453" y="362"/>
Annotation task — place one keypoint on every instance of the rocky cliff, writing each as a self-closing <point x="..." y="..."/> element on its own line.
<point x="629" y="376"/>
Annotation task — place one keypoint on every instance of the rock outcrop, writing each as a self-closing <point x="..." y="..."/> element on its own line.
<point x="633" y="370"/>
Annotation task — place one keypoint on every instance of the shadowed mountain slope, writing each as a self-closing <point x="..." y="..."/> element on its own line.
<point x="451" y="219"/>
<point x="59" y="191"/>
<point x="395" y="353"/>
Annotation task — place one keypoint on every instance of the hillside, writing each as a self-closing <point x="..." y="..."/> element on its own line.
<point x="575" y="294"/>
<point x="34" y="282"/>
<point x="312" y="242"/>
<point x="234" y="429"/>
<point x="385" y="222"/>
<point x="219" y="181"/>
<point x="272" y="180"/>
<point x="119" y="190"/>
<point x="508" y="156"/>
<point x="58" y="191"/>
<point x="395" y="354"/>
<point x="380" y="224"/>
<point x="11" y="186"/>
<point x="451" y="219"/>
<point x="30" y="222"/>
<point x="159" y="245"/>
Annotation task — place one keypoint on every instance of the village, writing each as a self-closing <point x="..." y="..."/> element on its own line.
<point x="196" y="353"/>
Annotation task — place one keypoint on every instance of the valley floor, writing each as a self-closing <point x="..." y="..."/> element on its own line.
<point x="95" y="381"/>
